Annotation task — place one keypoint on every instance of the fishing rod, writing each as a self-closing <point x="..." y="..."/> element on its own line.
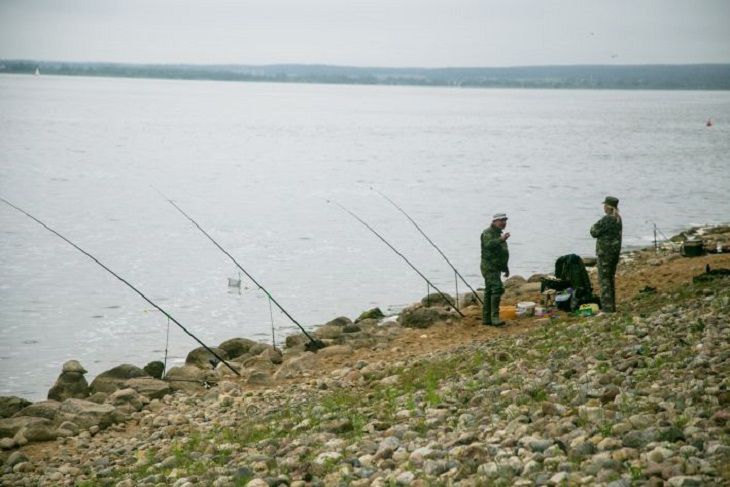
<point x="401" y="256"/>
<point x="431" y="242"/>
<point x="314" y="344"/>
<point x="123" y="280"/>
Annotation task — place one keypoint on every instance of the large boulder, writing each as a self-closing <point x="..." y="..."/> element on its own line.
<point x="203" y="359"/>
<point x="421" y="317"/>
<point x="437" y="299"/>
<point x="235" y="347"/>
<point x="43" y="409"/>
<point x="128" y="400"/>
<point x="339" y="321"/>
<point x="296" y="366"/>
<point x="155" y="369"/>
<point x="514" y="281"/>
<point x="259" y="348"/>
<point x="151" y="388"/>
<point x="10" y="426"/>
<point x="9" y="405"/>
<point x="191" y="378"/>
<point x="114" y="379"/>
<point x="328" y="332"/>
<point x="71" y="383"/>
<point x="293" y="341"/>
<point x="371" y="314"/>
<point x="470" y="299"/>
<point x="87" y="414"/>
<point x="40" y="431"/>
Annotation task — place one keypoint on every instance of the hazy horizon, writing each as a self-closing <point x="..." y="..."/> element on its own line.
<point x="379" y="33"/>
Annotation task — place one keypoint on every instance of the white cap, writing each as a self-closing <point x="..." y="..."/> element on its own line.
<point x="499" y="216"/>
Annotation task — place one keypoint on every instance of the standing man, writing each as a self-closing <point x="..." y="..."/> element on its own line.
<point x="495" y="257"/>
<point x="607" y="232"/>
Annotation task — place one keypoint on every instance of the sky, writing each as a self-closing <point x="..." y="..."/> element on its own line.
<point x="388" y="33"/>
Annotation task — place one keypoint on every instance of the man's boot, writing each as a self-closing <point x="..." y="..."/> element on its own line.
<point x="487" y="310"/>
<point x="494" y="304"/>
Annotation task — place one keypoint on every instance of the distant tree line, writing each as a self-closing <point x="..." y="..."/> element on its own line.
<point x="647" y="77"/>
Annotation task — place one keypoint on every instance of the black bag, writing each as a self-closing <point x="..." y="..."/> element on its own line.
<point x="570" y="272"/>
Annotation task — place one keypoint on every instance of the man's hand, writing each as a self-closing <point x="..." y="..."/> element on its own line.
<point x="506" y="274"/>
<point x="504" y="237"/>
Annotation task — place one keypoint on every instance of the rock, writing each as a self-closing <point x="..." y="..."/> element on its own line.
<point x="87" y="414"/>
<point x="339" y="321"/>
<point x="328" y="332"/>
<point x="514" y="281"/>
<point x="685" y="481"/>
<point x="374" y="314"/>
<point x="7" y="443"/>
<point x="260" y="378"/>
<point x="351" y="328"/>
<point x="529" y="288"/>
<point x="293" y="341"/>
<point x="420" y="317"/>
<point x="296" y="366"/>
<point x="10" y="426"/>
<point x="190" y="378"/>
<point x="40" y="431"/>
<point x="470" y="298"/>
<point x="235" y="347"/>
<point x="16" y="458"/>
<point x="71" y="383"/>
<point x="272" y="355"/>
<point x="128" y="400"/>
<point x="113" y="379"/>
<point x="436" y="299"/>
<point x="204" y="359"/>
<point x="9" y="405"/>
<point x="148" y="387"/>
<point x="155" y="369"/>
<point x="42" y="409"/>
<point x="536" y="278"/>
<point x="335" y="350"/>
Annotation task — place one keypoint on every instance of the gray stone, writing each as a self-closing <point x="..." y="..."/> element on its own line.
<point x="420" y="317"/>
<point x="149" y="387"/>
<point x="87" y="414"/>
<point x="10" y="426"/>
<point x="43" y="409"/>
<point x="204" y="359"/>
<point x="9" y="405"/>
<point x="235" y="347"/>
<point x="371" y="314"/>
<point x="69" y="384"/>
<point x="113" y="379"/>
<point x="155" y="369"/>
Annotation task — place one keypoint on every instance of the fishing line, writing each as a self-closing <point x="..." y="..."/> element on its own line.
<point x="271" y="315"/>
<point x="431" y="242"/>
<point x="121" y="279"/>
<point x="314" y="344"/>
<point x="167" y="341"/>
<point x="446" y="298"/>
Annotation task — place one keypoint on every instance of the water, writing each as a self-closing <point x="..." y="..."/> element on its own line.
<point x="256" y="163"/>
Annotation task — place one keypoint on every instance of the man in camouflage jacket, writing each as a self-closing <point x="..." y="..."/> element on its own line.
<point x="495" y="258"/>
<point x="607" y="232"/>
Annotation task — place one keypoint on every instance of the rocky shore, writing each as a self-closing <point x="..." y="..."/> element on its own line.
<point x="639" y="397"/>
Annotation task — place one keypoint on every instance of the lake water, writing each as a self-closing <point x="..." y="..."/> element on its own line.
<point x="256" y="163"/>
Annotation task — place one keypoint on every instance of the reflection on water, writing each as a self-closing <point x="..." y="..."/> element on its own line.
<point x="255" y="165"/>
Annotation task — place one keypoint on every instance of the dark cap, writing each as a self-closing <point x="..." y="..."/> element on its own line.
<point x="611" y="201"/>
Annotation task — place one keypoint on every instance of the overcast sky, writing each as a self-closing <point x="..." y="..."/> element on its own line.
<point x="411" y="33"/>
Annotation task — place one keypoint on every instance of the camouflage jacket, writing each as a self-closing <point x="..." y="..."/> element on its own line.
<point x="607" y="231"/>
<point x="495" y="254"/>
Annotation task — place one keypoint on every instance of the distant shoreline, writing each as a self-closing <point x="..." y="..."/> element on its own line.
<point x="714" y="77"/>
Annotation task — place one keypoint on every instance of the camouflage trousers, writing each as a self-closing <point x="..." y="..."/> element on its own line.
<point x="492" y="287"/>
<point x="607" y="281"/>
